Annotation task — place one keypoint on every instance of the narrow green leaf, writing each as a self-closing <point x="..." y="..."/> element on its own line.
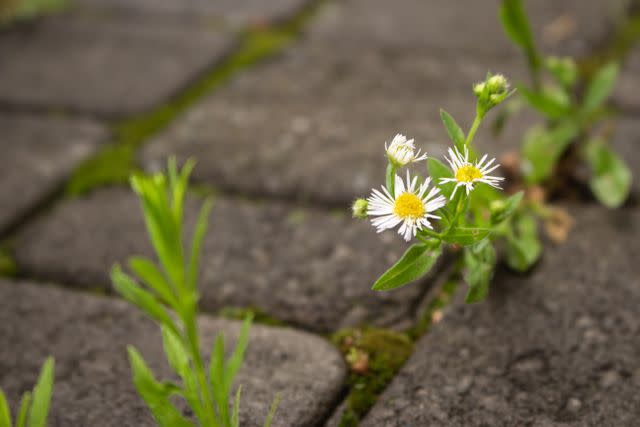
<point x="196" y="245"/>
<point x="272" y="411"/>
<point x="39" y="409"/>
<point x="5" y="413"/>
<point x="465" y="236"/>
<point x="543" y="148"/>
<point x="455" y="132"/>
<point x="235" y="417"/>
<point x="438" y="170"/>
<point x="25" y="404"/>
<point x="155" y="394"/>
<point x="601" y="86"/>
<point x="523" y="247"/>
<point x="139" y="297"/>
<point x="611" y="177"/>
<point x="415" y="263"/>
<point x="480" y="261"/>
<point x="154" y="279"/>
<point x="516" y="25"/>
<point x="553" y="104"/>
<point x="235" y="361"/>
<point x="217" y="379"/>
<point x="501" y="210"/>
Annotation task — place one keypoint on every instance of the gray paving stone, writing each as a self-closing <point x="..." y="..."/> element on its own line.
<point x="558" y="348"/>
<point x="305" y="266"/>
<point x="88" y="335"/>
<point x="230" y="12"/>
<point x="322" y="137"/>
<point x="103" y="64"/>
<point x="38" y="153"/>
<point x="465" y="26"/>
<point x="627" y="93"/>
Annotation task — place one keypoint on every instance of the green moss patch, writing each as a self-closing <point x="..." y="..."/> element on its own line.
<point x="374" y="357"/>
<point x="259" y="316"/>
<point x="8" y="266"/>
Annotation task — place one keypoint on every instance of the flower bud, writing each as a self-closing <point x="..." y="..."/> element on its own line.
<point x="360" y="208"/>
<point x="491" y="92"/>
<point x="497" y="85"/>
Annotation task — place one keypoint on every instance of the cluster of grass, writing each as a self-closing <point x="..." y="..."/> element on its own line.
<point x="258" y="315"/>
<point x="116" y="161"/>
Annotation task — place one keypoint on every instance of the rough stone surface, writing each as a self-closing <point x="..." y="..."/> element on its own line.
<point x="627" y="95"/>
<point x="465" y="26"/>
<point x="103" y="65"/>
<point x="231" y="12"/>
<point x="322" y="137"/>
<point x="37" y="155"/>
<point x="309" y="267"/>
<point x="88" y="335"/>
<point x="558" y="348"/>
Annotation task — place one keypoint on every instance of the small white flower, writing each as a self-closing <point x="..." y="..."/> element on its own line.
<point x="401" y="151"/>
<point x="467" y="174"/>
<point x="411" y="206"/>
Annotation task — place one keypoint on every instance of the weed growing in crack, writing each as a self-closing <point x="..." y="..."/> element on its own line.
<point x="459" y="206"/>
<point x="170" y="297"/>
<point x="573" y="106"/>
<point x="34" y="407"/>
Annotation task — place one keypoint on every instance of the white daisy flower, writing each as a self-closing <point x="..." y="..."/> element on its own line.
<point x="411" y="206"/>
<point x="467" y="174"/>
<point x="401" y="151"/>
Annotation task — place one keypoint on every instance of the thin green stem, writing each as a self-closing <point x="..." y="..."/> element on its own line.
<point x="198" y="364"/>
<point x="391" y="179"/>
<point x="431" y="233"/>
<point x="472" y="131"/>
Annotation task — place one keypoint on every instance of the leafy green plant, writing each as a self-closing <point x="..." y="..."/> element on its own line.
<point x="472" y="214"/>
<point x="170" y="298"/>
<point x="34" y="407"/>
<point x="574" y="108"/>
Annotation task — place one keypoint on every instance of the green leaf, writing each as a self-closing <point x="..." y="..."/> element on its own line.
<point x="516" y="26"/>
<point x="154" y="279"/>
<point x="5" y="413"/>
<point x="465" y="236"/>
<point x="217" y="378"/>
<point x="39" y="409"/>
<point x="198" y="236"/>
<point x="235" y="416"/>
<point x="141" y="298"/>
<point x="235" y="361"/>
<point x="415" y="263"/>
<point x="272" y="411"/>
<point x="601" y="86"/>
<point x="455" y="132"/>
<point x="438" y="170"/>
<point x="552" y="103"/>
<point x="501" y="210"/>
<point x="156" y="395"/>
<point x="611" y="177"/>
<point x="480" y="260"/>
<point x="523" y="247"/>
<point x="25" y="404"/>
<point x="543" y="148"/>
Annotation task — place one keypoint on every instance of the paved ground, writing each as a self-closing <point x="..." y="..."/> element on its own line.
<point x="287" y="145"/>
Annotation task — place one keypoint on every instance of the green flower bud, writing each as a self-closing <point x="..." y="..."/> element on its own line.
<point x="478" y="89"/>
<point x="497" y="84"/>
<point x="360" y="208"/>
<point x="491" y="92"/>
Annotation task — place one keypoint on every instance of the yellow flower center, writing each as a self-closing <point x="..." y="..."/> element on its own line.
<point x="468" y="173"/>
<point x="408" y="205"/>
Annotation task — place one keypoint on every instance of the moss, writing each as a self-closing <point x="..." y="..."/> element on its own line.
<point x="259" y="316"/>
<point x="374" y="356"/>
<point x="18" y="10"/>
<point x="8" y="266"/>
<point x="435" y="306"/>
<point x="116" y="161"/>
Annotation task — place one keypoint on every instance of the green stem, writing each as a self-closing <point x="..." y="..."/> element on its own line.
<point x="391" y="179"/>
<point x="431" y="233"/>
<point x="198" y="364"/>
<point x="472" y="131"/>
